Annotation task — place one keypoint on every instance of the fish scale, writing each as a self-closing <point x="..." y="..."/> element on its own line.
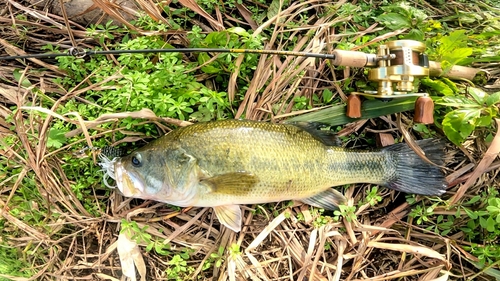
<point x="222" y="164"/>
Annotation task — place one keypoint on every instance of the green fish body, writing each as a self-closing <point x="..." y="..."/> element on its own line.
<point x="222" y="164"/>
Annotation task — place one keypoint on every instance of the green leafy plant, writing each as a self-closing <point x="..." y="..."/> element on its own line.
<point x="403" y="15"/>
<point x="301" y="103"/>
<point x="213" y="105"/>
<point x="437" y="223"/>
<point x="234" y="250"/>
<point x="347" y="212"/>
<point x="487" y="217"/>
<point x="104" y="33"/>
<point x="421" y="212"/>
<point x="319" y="219"/>
<point x="140" y="236"/>
<point x="476" y="110"/>
<point x="135" y="232"/>
<point x="478" y="218"/>
<point x="178" y="268"/>
<point x="224" y="64"/>
<point x="424" y="130"/>
<point x="464" y="111"/>
<point x="56" y="138"/>
<point x="216" y="258"/>
<point x="372" y="197"/>
<point x="487" y="254"/>
<point x="484" y="243"/>
<point x="452" y="49"/>
<point x="12" y="263"/>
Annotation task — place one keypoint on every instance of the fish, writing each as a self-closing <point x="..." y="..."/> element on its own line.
<point x="224" y="164"/>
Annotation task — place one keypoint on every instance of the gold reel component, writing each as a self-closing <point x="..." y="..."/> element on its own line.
<point x="406" y="62"/>
<point x="398" y="64"/>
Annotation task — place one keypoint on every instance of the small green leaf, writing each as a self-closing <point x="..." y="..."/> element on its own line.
<point x="445" y="232"/>
<point x="483" y="222"/>
<point x="17" y="75"/>
<point x="474" y="199"/>
<point x="161" y="249"/>
<point x="439" y="86"/>
<point x="327" y="95"/>
<point x="238" y="30"/>
<point x="150" y="246"/>
<point x="439" y="219"/>
<point x="492" y="209"/>
<point x="451" y="84"/>
<point x="415" y="34"/>
<point x="490" y="224"/>
<point x="457" y="55"/>
<point x="56" y="138"/>
<point x="492" y="99"/>
<point x="210" y="69"/>
<point x="471" y="214"/>
<point x="394" y="21"/>
<point x="459" y="124"/>
<point x="452" y="49"/>
<point x="484" y="121"/>
<point x="478" y="94"/>
<point x="457" y="101"/>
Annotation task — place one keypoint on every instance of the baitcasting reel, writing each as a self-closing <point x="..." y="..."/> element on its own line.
<point x="396" y="65"/>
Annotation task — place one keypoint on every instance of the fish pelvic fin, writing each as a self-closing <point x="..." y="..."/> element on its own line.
<point x="413" y="174"/>
<point x="230" y="216"/>
<point x="329" y="199"/>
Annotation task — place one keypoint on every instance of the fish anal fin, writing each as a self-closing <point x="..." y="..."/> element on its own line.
<point x="230" y="216"/>
<point x="329" y="199"/>
<point x="237" y="183"/>
<point x="325" y="136"/>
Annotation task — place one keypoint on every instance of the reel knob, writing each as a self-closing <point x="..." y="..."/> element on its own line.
<point x="424" y="110"/>
<point x="353" y="106"/>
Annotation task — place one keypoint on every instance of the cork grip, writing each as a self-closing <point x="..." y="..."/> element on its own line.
<point x="352" y="58"/>
<point x="456" y="72"/>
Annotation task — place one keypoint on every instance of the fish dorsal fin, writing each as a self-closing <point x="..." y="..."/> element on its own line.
<point x="325" y="136"/>
<point x="230" y="216"/>
<point x="237" y="183"/>
<point x="329" y="199"/>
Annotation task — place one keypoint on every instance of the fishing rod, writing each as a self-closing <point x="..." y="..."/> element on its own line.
<point x="81" y="53"/>
<point x="394" y="68"/>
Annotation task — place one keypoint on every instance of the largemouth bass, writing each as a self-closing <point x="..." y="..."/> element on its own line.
<point x="222" y="164"/>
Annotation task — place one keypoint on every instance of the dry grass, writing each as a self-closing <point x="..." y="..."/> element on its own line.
<point x="278" y="242"/>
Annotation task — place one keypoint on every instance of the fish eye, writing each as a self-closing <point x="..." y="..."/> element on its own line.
<point x="137" y="160"/>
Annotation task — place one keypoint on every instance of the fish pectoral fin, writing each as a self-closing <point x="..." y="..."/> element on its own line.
<point x="230" y="216"/>
<point x="329" y="199"/>
<point x="237" y="183"/>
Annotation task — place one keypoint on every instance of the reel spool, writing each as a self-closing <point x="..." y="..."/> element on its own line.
<point x="397" y="64"/>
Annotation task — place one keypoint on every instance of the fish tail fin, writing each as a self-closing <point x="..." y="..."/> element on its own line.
<point x="413" y="174"/>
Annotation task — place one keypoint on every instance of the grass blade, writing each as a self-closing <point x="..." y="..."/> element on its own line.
<point x="370" y="109"/>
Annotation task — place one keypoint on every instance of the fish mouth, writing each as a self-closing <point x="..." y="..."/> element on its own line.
<point x="127" y="181"/>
